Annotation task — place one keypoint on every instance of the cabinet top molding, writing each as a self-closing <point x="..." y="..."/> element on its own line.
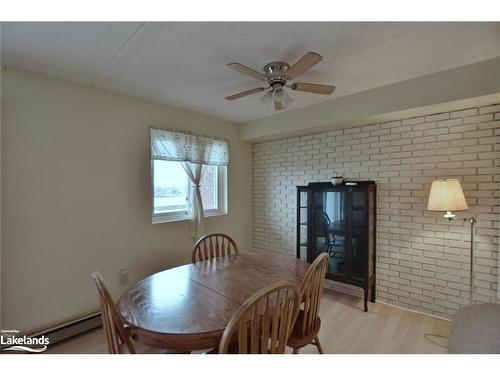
<point x="329" y="184"/>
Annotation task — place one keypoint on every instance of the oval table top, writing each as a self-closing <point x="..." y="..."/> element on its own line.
<point x="188" y="307"/>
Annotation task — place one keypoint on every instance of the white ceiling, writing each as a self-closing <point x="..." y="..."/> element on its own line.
<point x="184" y="64"/>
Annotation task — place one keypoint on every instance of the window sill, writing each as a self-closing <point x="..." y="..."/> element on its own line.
<point x="171" y="218"/>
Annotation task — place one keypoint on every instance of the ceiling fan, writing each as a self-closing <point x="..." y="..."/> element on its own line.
<point x="277" y="74"/>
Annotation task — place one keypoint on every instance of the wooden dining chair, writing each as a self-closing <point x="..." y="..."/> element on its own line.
<point x="213" y="246"/>
<point x="263" y="323"/>
<point x="307" y="325"/>
<point x="116" y="332"/>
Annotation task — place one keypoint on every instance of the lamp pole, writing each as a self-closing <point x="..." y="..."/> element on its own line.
<point x="471" y="220"/>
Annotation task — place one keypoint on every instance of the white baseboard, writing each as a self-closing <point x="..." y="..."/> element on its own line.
<point x="415" y="311"/>
<point x="71" y="329"/>
<point x="388" y="304"/>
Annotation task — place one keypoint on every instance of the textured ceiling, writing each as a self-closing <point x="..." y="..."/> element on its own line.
<point x="184" y="64"/>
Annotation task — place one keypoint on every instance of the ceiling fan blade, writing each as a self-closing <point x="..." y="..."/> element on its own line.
<point x="313" y="88"/>
<point x="246" y="70"/>
<point x="245" y="93"/>
<point x="305" y="63"/>
<point x="278" y="105"/>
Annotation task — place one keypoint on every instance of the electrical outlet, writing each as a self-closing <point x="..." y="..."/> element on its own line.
<point x="123" y="276"/>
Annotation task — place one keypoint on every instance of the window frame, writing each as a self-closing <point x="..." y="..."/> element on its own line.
<point x="222" y="198"/>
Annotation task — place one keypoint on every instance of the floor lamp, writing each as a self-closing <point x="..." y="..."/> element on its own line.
<point x="447" y="196"/>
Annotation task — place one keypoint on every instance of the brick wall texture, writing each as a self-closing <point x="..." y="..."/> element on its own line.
<point x="422" y="259"/>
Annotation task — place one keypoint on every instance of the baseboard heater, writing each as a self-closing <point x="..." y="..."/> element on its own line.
<point x="71" y="328"/>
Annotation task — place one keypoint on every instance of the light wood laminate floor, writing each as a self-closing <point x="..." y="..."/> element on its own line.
<point x="345" y="328"/>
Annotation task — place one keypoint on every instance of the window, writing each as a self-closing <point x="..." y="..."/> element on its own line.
<point x="172" y="191"/>
<point x="174" y="195"/>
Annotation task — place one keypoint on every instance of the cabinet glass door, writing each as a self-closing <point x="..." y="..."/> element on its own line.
<point x="302" y="225"/>
<point x="359" y="230"/>
<point x="330" y="229"/>
<point x="371" y="232"/>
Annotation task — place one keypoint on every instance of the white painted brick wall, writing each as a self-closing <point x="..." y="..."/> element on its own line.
<point x="422" y="260"/>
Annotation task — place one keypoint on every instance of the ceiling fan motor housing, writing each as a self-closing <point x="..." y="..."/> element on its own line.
<point x="275" y="73"/>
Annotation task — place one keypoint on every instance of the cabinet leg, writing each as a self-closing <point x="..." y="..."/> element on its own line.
<point x="366" y="299"/>
<point x="373" y="292"/>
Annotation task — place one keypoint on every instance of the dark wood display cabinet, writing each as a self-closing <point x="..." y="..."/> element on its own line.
<point x="340" y="220"/>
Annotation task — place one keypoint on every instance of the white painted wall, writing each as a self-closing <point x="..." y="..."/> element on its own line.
<point x="76" y="195"/>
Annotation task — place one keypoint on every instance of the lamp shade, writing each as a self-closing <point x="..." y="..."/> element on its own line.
<point x="446" y="195"/>
<point x="267" y="98"/>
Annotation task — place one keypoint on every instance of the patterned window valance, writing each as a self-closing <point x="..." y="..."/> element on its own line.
<point x="177" y="145"/>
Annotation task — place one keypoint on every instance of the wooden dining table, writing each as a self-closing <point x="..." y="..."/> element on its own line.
<point x="188" y="307"/>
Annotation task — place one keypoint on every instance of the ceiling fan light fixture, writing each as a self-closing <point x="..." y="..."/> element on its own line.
<point x="267" y="98"/>
<point x="281" y="96"/>
<point x="287" y="98"/>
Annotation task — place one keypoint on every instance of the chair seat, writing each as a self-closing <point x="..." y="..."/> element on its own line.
<point x="297" y="340"/>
